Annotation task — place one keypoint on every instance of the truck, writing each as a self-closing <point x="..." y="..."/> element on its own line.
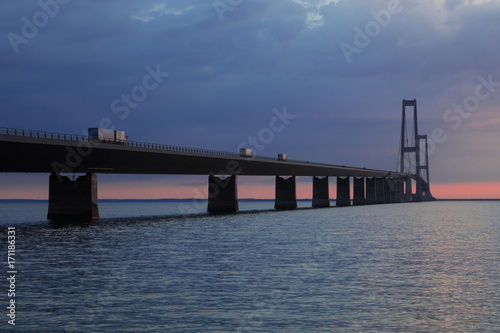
<point x="282" y="157"/>
<point x="107" y="135"/>
<point x="245" y="152"/>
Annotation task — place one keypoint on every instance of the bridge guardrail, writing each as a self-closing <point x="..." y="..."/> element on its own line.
<point x="41" y="134"/>
<point x="138" y="144"/>
<point x="130" y="143"/>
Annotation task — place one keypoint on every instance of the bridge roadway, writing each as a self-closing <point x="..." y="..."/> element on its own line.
<point x="29" y="151"/>
<point x="42" y="152"/>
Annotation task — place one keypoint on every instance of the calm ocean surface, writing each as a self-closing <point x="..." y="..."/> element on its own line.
<point x="422" y="267"/>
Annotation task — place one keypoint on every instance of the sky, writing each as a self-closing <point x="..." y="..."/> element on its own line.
<point x="213" y="74"/>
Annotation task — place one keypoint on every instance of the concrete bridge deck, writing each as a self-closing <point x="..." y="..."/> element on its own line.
<point x="42" y="152"/>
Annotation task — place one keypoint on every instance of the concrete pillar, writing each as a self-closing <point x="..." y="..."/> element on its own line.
<point x="398" y="190"/>
<point x="73" y="200"/>
<point x="387" y="190"/>
<point x="222" y="195"/>
<point x="286" y="197"/>
<point x="408" y="193"/>
<point x="392" y="187"/>
<point x="427" y="193"/>
<point x="343" y="192"/>
<point x="359" y="191"/>
<point x="379" y="190"/>
<point x="371" y="197"/>
<point x="321" y="194"/>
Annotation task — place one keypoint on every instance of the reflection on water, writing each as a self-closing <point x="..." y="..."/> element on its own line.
<point x="397" y="268"/>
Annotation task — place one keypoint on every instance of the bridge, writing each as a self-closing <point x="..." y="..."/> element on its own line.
<point x="30" y="151"/>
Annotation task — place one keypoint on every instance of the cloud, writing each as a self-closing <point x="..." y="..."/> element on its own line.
<point x="313" y="8"/>
<point x="159" y="10"/>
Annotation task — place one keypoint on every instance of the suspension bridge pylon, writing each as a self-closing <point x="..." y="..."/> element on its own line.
<point x="413" y="148"/>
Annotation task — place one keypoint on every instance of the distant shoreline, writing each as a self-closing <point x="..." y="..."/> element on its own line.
<point x="191" y="199"/>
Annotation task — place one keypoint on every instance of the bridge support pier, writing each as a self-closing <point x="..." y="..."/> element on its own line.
<point x="359" y="191"/>
<point x="286" y="197"/>
<point x="387" y="190"/>
<point x="321" y="194"/>
<point x="393" y="186"/>
<point x="343" y="192"/>
<point x="379" y="190"/>
<point x="222" y="195"/>
<point x="408" y="193"/>
<point x="397" y="190"/>
<point x="73" y="200"/>
<point x="371" y="193"/>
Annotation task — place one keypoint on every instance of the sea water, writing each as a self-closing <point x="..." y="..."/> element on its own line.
<point x="144" y="266"/>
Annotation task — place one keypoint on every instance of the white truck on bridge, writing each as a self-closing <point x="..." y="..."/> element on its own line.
<point x="245" y="152"/>
<point x="107" y="135"/>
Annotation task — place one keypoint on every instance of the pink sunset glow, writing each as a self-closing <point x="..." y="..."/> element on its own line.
<point x="266" y="191"/>
<point x="248" y="187"/>
<point x="466" y="191"/>
<point x="304" y="191"/>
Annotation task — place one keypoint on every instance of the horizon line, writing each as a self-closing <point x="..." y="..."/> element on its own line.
<point x="241" y="199"/>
